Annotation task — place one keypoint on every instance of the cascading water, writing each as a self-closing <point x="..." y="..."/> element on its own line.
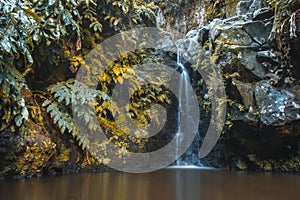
<point x="182" y="98"/>
<point x="190" y="158"/>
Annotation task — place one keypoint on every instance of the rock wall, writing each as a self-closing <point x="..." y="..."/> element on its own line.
<point x="263" y="90"/>
<point x="186" y="15"/>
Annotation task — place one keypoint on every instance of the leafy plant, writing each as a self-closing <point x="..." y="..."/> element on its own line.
<point x="34" y="35"/>
<point x="13" y="110"/>
<point x="44" y="42"/>
<point x="127" y="13"/>
<point x="284" y="11"/>
<point x="60" y="110"/>
<point x="23" y="26"/>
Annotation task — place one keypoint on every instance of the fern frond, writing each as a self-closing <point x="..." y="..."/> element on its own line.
<point x="84" y="100"/>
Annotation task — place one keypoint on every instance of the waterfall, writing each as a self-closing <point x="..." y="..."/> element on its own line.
<point x="182" y="98"/>
<point x="190" y="158"/>
<point x="159" y="19"/>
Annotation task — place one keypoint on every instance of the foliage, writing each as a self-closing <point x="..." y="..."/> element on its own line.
<point x="51" y="26"/>
<point x="279" y="37"/>
<point x="283" y="4"/>
<point x="289" y="164"/>
<point x="142" y="97"/>
<point x="25" y="24"/>
<point x="126" y="13"/>
<point x="13" y="110"/>
<point x="219" y="8"/>
<point x="34" y="151"/>
<point x="40" y="35"/>
<point x="59" y="107"/>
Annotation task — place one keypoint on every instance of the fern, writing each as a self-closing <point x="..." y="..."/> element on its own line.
<point x="13" y="110"/>
<point x="59" y="107"/>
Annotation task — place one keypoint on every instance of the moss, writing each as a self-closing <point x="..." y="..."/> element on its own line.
<point x="230" y="42"/>
<point x="291" y="164"/>
<point x="231" y="7"/>
<point x="34" y="152"/>
<point x="241" y="164"/>
<point x="220" y="9"/>
<point x="64" y="154"/>
<point x="279" y="39"/>
<point x="283" y="4"/>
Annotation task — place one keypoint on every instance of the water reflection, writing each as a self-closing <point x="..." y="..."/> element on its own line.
<point x="173" y="184"/>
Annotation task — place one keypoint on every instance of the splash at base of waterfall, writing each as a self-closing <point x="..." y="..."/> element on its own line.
<point x="190" y="167"/>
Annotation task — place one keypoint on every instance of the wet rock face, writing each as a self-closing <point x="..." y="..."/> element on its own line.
<point x="240" y="48"/>
<point x="243" y="7"/>
<point x="295" y="45"/>
<point x="182" y="15"/>
<point x="186" y="15"/>
<point x="189" y="46"/>
<point x="237" y="43"/>
<point x="250" y="6"/>
<point x="241" y="31"/>
<point x="276" y="107"/>
<point x="264" y="108"/>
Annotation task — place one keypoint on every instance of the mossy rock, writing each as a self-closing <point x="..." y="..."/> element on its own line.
<point x="25" y="155"/>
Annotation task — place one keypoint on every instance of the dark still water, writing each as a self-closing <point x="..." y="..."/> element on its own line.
<point x="169" y="184"/>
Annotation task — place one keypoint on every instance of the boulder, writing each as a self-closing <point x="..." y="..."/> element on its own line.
<point x="27" y="154"/>
<point x="243" y="7"/>
<point x="189" y="46"/>
<point x="250" y="6"/>
<point x="231" y="34"/>
<point x="203" y="35"/>
<point x="267" y="56"/>
<point x="258" y="31"/>
<point x="246" y="92"/>
<point x="263" y="13"/>
<point x="258" y="4"/>
<point x="264" y="109"/>
<point x="276" y="107"/>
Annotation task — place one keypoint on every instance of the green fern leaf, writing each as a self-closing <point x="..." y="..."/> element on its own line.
<point x="58" y="106"/>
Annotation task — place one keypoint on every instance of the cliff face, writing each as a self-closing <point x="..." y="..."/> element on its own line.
<point x="186" y="15"/>
<point x="257" y="50"/>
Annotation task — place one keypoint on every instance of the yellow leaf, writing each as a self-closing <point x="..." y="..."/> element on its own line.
<point x="31" y="13"/>
<point x="140" y="92"/>
<point x="105" y="77"/>
<point x="117" y="71"/>
<point x="130" y="71"/>
<point x="120" y="79"/>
